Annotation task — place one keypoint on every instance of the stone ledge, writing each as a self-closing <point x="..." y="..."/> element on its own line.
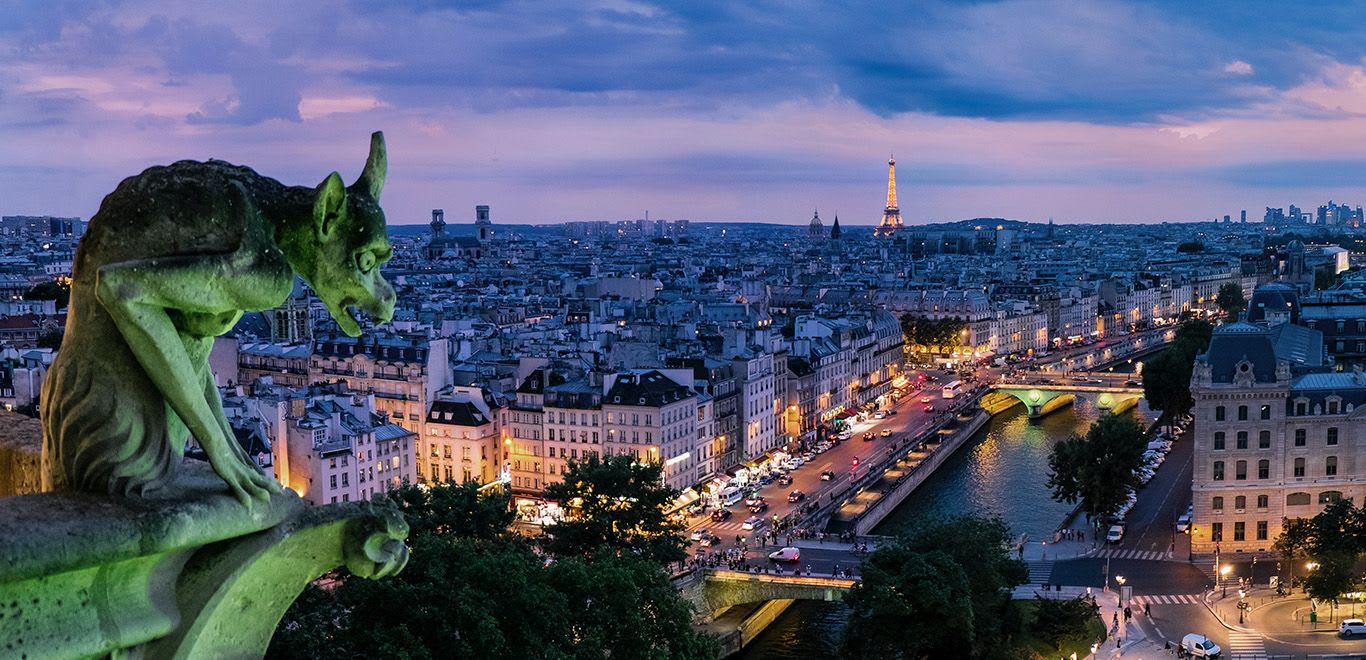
<point x="21" y="445"/>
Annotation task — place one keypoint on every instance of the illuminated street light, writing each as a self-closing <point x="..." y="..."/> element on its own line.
<point x="1223" y="573"/>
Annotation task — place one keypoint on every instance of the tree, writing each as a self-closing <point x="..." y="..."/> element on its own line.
<point x="910" y="604"/>
<point x="1193" y="336"/>
<point x="616" y="503"/>
<point x="1293" y="540"/>
<point x="935" y="335"/>
<point x="50" y="338"/>
<point x="1057" y="621"/>
<point x="1098" y="470"/>
<point x="472" y="590"/>
<point x="50" y="290"/>
<point x="1323" y="279"/>
<point x="1167" y="376"/>
<point x="892" y="610"/>
<point x="1230" y="299"/>
<point x="1336" y="538"/>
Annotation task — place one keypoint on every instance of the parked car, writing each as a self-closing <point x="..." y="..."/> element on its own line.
<point x="1116" y="534"/>
<point x="786" y="554"/>
<point x="886" y="433"/>
<point x="827" y="475"/>
<point x="752" y="522"/>
<point x="1200" y="646"/>
<point x="785" y="480"/>
<point x="796" y="496"/>
<point x="1184" y="522"/>
<point x="1352" y="627"/>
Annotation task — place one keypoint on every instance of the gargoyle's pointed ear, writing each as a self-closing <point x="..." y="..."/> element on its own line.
<point x="329" y="207"/>
<point x="376" y="167"/>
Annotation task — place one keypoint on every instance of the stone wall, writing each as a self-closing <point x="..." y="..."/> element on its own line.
<point x="21" y="442"/>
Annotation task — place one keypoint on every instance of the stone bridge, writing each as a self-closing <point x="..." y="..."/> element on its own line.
<point x="713" y="591"/>
<point x="1106" y="391"/>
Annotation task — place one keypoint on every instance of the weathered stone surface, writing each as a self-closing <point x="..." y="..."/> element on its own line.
<point x="21" y="441"/>
<point x="172" y="259"/>
<point x="187" y="573"/>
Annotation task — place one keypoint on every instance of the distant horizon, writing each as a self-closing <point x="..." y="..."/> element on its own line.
<point x="1128" y="111"/>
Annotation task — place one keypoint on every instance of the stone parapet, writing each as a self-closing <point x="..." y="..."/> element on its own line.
<point x="186" y="573"/>
<point x="21" y="444"/>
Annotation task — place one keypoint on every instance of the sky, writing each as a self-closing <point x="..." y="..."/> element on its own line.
<point x="550" y="111"/>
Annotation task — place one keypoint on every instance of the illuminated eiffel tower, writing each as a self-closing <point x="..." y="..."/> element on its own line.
<point x="891" y="216"/>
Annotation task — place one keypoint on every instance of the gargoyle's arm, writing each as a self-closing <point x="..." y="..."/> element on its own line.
<point x="137" y="295"/>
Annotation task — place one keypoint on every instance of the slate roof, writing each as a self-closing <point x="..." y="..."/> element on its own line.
<point x="459" y="413"/>
<point x="1235" y="342"/>
<point x="651" y="388"/>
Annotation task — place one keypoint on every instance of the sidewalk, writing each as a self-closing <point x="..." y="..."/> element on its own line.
<point x="1133" y="640"/>
<point x="1039" y="550"/>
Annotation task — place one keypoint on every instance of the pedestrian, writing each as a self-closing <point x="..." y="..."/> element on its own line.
<point x="1147" y="610"/>
<point x="1127" y="614"/>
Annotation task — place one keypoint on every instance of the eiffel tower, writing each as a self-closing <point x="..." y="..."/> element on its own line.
<point x="891" y="216"/>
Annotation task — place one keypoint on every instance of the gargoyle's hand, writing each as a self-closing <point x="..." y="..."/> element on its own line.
<point x="373" y="545"/>
<point x="245" y="482"/>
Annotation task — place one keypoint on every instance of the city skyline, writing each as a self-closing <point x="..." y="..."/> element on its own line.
<point x="1110" y="112"/>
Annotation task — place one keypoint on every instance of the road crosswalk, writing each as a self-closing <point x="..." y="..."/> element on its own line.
<point x="1169" y="599"/>
<point x="1246" y="645"/>
<point x="1149" y="555"/>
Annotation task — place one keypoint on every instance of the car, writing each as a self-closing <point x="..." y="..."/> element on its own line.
<point x="1116" y="534"/>
<point x="891" y="412"/>
<point x="845" y="435"/>
<point x="1352" y="627"/>
<point x="720" y="514"/>
<point x="1200" y="646"/>
<point x="879" y="415"/>
<point x="796" y="496"/>
<point x="758" y="508"/>
<point x="929" y="408"/>
<point x="698" y="534"/>
<point x="786" y="554"/>
<point x="785" y="480"/>
<point x="924" y="399"/>
<point x="886" y="433"/>
<point x="1132" y="383"/>
<point x="752" y="522"/>
<point x="756" y="499"/>
<point x="827" y="475"/>
<point x="708" y="541"/>
<point x="868" y="436"/>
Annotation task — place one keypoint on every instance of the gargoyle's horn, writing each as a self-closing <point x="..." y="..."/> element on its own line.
<point x="376" y="167"/>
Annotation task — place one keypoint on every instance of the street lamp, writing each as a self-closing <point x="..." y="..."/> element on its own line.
<point x="1119" y="579"/>
<point x="1223" y="574"/>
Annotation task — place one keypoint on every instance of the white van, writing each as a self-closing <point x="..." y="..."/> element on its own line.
<point x="1200" y="646"/>
<point x="731" y="495"/>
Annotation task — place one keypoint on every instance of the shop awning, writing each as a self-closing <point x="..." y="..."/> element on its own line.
<point x="688" y="497"/>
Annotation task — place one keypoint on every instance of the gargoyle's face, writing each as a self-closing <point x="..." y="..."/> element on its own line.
<point x="349" y="245"/>
<point x="347" y="276"/>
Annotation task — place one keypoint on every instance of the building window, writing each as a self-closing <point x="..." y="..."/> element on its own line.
<point x="1263" y="469"/>
<point x="1242" y="413"/>
<point x="1300" y="407"/>
<point x="1242" y="439"/>
<point x="344" y="480"/>
<point x="1300" y="437"/>
<point x="1264" y="440"/>
<point x="1261" y="530"/>
<point x="332" y="481"/>
<point x="1219" y="470"/>
<point x="1217" y="504"/>
<point x="1266" y="411"/>
<point x="1297" y="499"/>
<point x="1216" y="532"/>
<point x="1218" y="440"/>
<point x="1330" y="496"/>
<point x="1240" y="470"/>
<point x="1299" y="467"/>
<point x="1219" y="414"/>
<point x="1333" y="407"/>
<point x="1263" y="501"/>
<point x="1332" y="435"/>
<point x="1239" y="531"/>
<point x="1240" y="502"/>
<point x="1330" y="466"/>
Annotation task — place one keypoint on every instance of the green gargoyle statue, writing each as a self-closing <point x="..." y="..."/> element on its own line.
<point x="172" y="259"/>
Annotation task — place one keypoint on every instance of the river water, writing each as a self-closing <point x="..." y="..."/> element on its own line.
<point x="1002" y="471"/>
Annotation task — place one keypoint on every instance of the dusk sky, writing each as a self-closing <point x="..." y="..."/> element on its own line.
<point x="730" y="110"/>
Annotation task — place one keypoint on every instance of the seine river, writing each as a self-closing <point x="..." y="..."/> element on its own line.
<point x="1001" y="472"/>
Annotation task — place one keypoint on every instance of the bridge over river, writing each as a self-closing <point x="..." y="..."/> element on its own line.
<point x="1042" y="395"/>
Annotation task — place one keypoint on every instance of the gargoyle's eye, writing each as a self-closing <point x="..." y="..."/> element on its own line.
<point x="365" y="261"/>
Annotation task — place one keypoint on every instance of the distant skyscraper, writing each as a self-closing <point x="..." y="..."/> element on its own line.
<point x="1243" y="216"/>
<point x="816" y="229"/>
<point x="891" y="216"/>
